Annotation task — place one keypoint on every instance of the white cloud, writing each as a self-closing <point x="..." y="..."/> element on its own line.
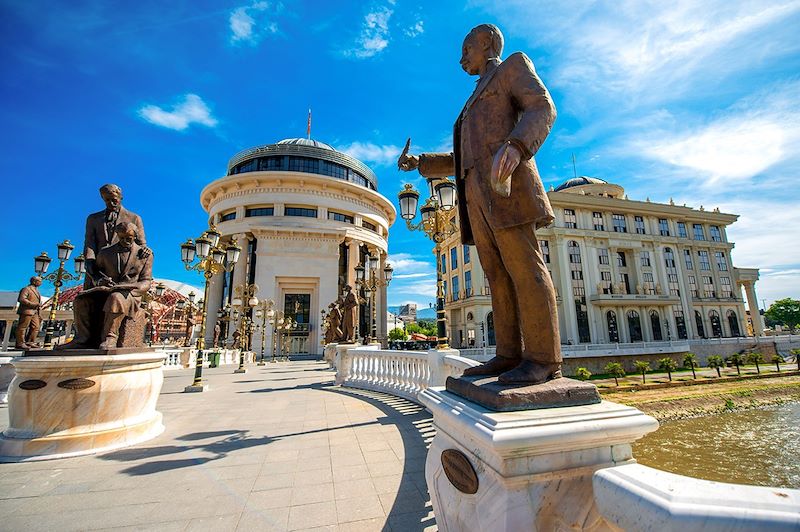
<point x="374" y="36"/>
<point x="368" y="151"/>
<point x="191" y="110"/>
<point x="412" y="275"/>
<point x="416" y="29"/>
<point x="249" y="24"/>
<point x="405" y="263"/>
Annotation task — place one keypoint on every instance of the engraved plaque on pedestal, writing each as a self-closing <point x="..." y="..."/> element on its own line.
<point x="459" y="471"/>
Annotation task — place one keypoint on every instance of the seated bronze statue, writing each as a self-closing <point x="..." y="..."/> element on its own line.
<point x="109" y="314"/>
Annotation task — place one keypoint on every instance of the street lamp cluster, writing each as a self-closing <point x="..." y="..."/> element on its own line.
<point x="437" y="224"/>
<point x="58" y="278"/>
<point x="243" y="305"/>
<point x="211" y="259"/>
<point x="370" y="284"/>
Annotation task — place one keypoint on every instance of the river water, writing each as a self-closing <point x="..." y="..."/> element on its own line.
<point x="749" y="447"/>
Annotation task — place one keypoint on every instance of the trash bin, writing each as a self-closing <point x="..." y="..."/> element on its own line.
<point x="213" y="359"/>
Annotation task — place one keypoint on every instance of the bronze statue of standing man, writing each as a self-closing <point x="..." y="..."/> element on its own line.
<point x="502" y="202"/>
<point x="29" y="311"/>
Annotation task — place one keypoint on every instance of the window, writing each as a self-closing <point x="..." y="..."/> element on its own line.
<point x="301" y="211"/>
<point x="579" y="292"/>
<point x="672" y="280"/>
<point x="698" y="320"/>
<point x="649" y="283"/>
<point x="602" y="256"/>
<point x="303" y="164"/>
<point x="619" y="223"/>
<point x="466" y="254"/>
<point x="605" y="282"/>
<point x="613" y="330"/>
<point x="259" y="211"/>
<point x="228" y="216"/>
<point x="699" y="234"/>
<point x="634" y="326"/>
<point x="339" y="217"/>
<point x="468" y="283"/>
<point x="693" y="286"/>
<point x="680" y="324"/>
<point x="597" y="219"/>
<point x="444" y="288"/>
<point x="708" y="286"/>
<point x="544" y="245"/>
<point x="725" y="287"/>
<point x="644" y="257"/>
<point x="366" y="225"/>
<point x="655" y="326"/>
<point x="334" y="170"/>
<point x="663" y="227"/>
<point x="704" y="263"/>
<point x="443" y="264"/>
<point x="638" y="222"/>
<point x="570" y="220"/>
<point x="687" y="259"/>
<point x="453" y="258"/>
<point x="716" y="235"/>
<point x="455" y="288"/>
<point x="669" y="258"/>
<point x="722" y="263"/>
<point x="682" y="230"/>
<point x="621" y="259"/>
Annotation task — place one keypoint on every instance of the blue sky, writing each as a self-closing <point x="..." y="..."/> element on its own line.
<point x="697" y="101"/>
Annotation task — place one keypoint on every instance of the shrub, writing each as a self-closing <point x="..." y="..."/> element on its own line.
<point x="716" y="362"/>
<point x="616" y="370"/>
<point x="642" y="367"/>
<point x="668" y="365"/>
<point x="777" y="359"/>
<point x="756" y="358"/>
<point x="737" y="360"/>
<point x="690" y="361"/>
<point x="582" y="374"/>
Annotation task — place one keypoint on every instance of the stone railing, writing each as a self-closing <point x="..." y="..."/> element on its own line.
<point x="172" y="358"/>
<point x="401" y="373"/>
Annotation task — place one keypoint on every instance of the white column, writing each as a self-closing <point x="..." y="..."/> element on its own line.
<point x="7" y="334"/>
<point x="381" y="300"/>
<point x="239" y="275"/>
<point x="752" y="305"/>
<point x="568" y="300"/>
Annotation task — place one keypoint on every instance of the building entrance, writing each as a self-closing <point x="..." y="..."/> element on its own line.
<point x="298" y="307"/>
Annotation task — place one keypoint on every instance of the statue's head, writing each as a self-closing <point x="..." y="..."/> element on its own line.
<point x="347" y="288"/>
<point x="126" y="234"/>
<point x="482" y="43"/>
<point x="36" y="281"/>
<point x="112" y="196"/>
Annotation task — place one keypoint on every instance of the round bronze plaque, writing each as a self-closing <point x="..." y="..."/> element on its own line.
<point x="459" y="471"/>
<point x="76" y="384"/>
<point x="32" y="384"/>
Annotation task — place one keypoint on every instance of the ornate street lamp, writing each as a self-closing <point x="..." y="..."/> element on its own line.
<point x="58" y="277"/>
<point x="437" y="224"/>
<point x="205" y="248"/>
<point x="371" y="284"/>
<point x="265" y="312"/>
<point x="244" y="302"/>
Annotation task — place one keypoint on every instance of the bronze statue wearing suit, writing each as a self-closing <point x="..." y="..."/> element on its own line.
<point x="100" y="227"/>
<point x="122" y="273"/>
<point x="501" y="201"/>
<point x="349" y="307"/>
<point x="30" y="304"/>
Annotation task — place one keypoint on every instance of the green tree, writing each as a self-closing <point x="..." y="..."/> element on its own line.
<point x="668" y="365"/>
<point x="785" y="311"/>
<point x="737" y="360"/>
<point x="616" y="370"/>
<point x="428" y="326"/>
<point x="716" y="362"/>
<point x="777" y="358"/>
<point x="756" y="358"/>
<point x="690" y="361"/>
<point x="796" y="353"/>
<point x="397" y="334"/>
<point x="642" y="367"/>
<point x="582" y="374"/>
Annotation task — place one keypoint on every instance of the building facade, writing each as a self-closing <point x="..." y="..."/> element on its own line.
<point x="305" y="216"/>
<point x="624" y="271"/>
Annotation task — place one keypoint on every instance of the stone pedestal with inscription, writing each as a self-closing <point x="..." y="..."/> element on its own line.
<point x="524" y="470"/>
<point x="6" y="376"/>
<point x="70" y="405"/>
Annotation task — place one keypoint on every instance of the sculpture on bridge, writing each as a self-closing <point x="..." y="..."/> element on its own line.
<point x="29" y="311"/>
<point x="333" y="333"/>
<point x="349" y="307"/>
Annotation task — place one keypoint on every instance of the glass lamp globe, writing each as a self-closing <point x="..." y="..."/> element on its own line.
<point x="187" y="251"/>
<point x="65" y="250"/>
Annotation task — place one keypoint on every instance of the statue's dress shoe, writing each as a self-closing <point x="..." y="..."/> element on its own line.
<point x="109" y="343"/>
<point x="529" y="372"/>
<point x="495" y="366"/>
<point x="73" y="344"/>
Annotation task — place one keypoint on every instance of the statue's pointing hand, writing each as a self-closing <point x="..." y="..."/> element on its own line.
<point x="505" y="162"/>
<point x="407" y="162"/>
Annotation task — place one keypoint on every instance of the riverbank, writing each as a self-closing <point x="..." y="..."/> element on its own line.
<point x="708" y="399"/>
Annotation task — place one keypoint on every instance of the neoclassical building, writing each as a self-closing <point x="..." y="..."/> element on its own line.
<point x="305" y="216"/>
<point x="624" y="271"/>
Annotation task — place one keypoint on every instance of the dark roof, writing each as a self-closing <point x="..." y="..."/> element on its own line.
<point x="578" y="181"/>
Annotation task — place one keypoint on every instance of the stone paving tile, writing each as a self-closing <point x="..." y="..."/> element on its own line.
<point x="280" y="449"/>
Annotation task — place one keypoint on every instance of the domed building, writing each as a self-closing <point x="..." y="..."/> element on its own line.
<point x="625" y="271"/>
<point x="305" y="215"/>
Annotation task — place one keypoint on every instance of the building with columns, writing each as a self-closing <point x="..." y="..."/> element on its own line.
<point x="624" y="271"/>
<point x="305" y="216"/>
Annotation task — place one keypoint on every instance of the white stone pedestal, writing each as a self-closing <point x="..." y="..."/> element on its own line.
<point x="6" y="375"/>
<point x="534" y="468"/>
<point x="63" y="406"/>
<point x="329" y="355"/>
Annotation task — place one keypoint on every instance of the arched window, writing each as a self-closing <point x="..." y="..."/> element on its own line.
<point x="613" y="330"/>
<point x="680" y="324"/>
<point x="655" y="325"/>
<point x="716" y="324"/>
<point x="698" y="320"/>
<point x="634" y="326"/>
<point x="490" y="339"/>
<point x="579" y="292"/>
<point x="733" y="323"/>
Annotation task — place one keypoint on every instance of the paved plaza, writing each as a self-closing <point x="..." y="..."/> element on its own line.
<point x="277" y="448"/>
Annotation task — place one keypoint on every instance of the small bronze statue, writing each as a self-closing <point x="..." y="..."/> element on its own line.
<point x="237" y="339"/>
<point x="29" y="311"/>
<point x="349" y="307"/>
<point x="334" y="334"/>
<point x="217" y="331"/>
<point x="190" y="323"/>
<point x="121" y="274"/>
<point x="100" y="227"/>
<point x="502" y="202"/>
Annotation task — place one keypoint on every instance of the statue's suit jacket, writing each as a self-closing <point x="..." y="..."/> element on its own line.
<point x="99" y="236"/>
<point x="510" y="104"/>
<point x="29" y="301"/>
<point x="135" y="270"/>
